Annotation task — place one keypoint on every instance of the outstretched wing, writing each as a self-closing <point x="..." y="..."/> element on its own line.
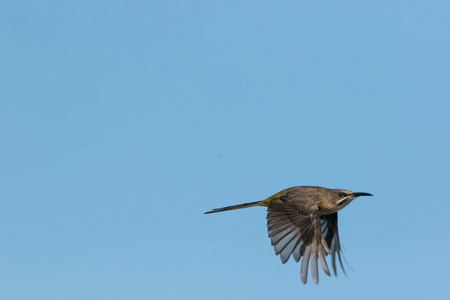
<point x="331" y="235"/>
<point x="296" y="230"/>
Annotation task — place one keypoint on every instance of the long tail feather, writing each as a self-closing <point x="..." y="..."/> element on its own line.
<point x="239" y="206"/>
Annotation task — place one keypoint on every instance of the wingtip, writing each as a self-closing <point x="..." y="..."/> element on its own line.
<point x="304" y="279"/>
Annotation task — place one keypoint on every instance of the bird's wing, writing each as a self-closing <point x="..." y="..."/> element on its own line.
<point x="331" y="235"/>
<point x="296" y="229"/>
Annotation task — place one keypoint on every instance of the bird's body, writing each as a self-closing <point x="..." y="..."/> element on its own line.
<point x="302" y="222"/>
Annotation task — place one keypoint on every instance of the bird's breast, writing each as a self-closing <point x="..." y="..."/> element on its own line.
<point x="326" y="208"/>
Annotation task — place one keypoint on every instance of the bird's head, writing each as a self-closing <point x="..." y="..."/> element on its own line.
<point x="343" y="197"/>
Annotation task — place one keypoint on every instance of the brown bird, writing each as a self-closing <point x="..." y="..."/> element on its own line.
<point x="302" y="221"/>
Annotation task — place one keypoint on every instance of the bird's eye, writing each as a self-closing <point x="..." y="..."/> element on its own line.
<point x="342" y="195"/>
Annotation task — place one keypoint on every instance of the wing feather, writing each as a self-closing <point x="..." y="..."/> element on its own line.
<point x="331" y="235"/>
<point x="295" y="231"/>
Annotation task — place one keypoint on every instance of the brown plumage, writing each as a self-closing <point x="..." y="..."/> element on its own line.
<point x="302" y="223"/>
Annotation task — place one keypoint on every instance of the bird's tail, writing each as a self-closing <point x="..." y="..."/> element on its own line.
<point x="239" y="206"/>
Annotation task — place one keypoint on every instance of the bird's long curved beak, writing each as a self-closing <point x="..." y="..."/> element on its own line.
<point x="361" y="194"/>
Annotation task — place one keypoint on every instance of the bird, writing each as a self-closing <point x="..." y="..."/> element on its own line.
<point x="302" y="222"/>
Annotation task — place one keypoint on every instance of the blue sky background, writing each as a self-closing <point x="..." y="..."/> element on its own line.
<point x="121" y="122"/>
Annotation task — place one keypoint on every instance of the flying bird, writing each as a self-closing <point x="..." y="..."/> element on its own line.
<point x="302" y="221"/>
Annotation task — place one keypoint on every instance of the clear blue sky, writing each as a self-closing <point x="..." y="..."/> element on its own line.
<point x="121" y="122"/>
